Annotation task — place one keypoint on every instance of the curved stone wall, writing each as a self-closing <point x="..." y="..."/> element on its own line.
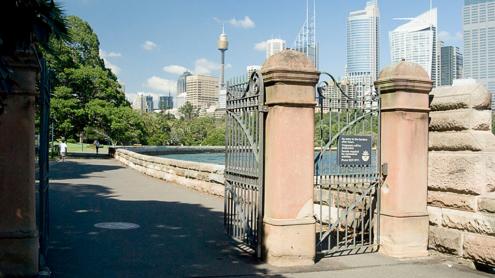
<point x="202" y="177"/>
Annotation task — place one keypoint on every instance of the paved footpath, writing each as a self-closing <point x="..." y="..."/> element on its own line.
<point x="180" y="233"/>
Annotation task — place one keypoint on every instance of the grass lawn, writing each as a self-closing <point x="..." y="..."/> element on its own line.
<point x="85" y="148"/>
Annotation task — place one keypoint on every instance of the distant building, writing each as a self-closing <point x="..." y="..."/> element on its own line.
<point x="451" y="64"/>
<point x="363" y="47"/>
<point x="274" y="46"/>
<point x="149" y="103"/>
<point x="306" y="38"/>
<point x="202" y="91"/>
<point x="181" y="82"/>
<point x="416" y="41"/>
<point x="140" y="103"/>
<point x="252" y="68"/>
<point x="180" y="100"/>
<point x="166" y="102"/>
<point x="479" y="42"/>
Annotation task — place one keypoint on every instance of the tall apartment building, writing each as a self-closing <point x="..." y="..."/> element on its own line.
<point x="451" y="64"/>
<point x="479" y="42"/>
<point x="416" y="41"/>
<point x="363" y="47"/>
<point x="274" y="46"/>
<point x="202" y="91"/>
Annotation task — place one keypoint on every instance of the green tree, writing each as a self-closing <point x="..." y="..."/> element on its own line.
<point x="85" y="91"/>
<point x="188" y="111"/>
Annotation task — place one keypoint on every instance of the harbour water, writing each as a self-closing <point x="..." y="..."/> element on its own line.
<point x="328" y="163"/>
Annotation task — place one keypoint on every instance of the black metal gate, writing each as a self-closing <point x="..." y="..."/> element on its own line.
<point x="244" y="159"/>
<point x="347" y="168"/>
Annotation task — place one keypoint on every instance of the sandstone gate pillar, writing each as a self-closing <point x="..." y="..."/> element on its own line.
<point x="404" y="89"/>
<point x="18" y="234"/>
<point x="289" y="224"/>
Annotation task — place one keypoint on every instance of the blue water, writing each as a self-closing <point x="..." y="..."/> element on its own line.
<point x="213" y="158"/>
<point x="326" y="166"/>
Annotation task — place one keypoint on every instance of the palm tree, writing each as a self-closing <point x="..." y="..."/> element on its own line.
<point x="25" y="27"/>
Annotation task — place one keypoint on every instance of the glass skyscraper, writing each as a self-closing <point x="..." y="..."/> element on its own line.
<point x="416" y="41"/>
<point x="363" y="45"/>
<point x="451" y="64"/>
<point x="479" y="42"/>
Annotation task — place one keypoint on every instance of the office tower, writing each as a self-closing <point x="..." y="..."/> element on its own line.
<point x="451" y="64"/>
<point x="416" y="41"/>
<point x="166" y="102"/>
<point x="363" y="47"/>
<point x="181" y="82"/>
<point x="479" y="42"/>
<point x="149" y="103"/>
<point x="140" y="103"/>
<point x="202" y="90"/>
<point x="306" y="38"/>
<point x="274" y="46"/>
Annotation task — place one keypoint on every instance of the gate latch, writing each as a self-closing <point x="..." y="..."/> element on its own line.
<point x="263" y="108"/>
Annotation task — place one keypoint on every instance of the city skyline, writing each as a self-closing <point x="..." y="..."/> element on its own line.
<point x="150" y="53"/>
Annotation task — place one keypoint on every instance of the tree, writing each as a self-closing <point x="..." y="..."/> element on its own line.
<point x="188" y="111"/>
<point x="84" y="89"/>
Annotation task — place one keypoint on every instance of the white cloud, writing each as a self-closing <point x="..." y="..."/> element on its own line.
<point x="161" y="84"/>
<point x="149" y="45"/>
<point x="205" y="66"/>
<point x="448" y="37"/>
<point x="105" y="56"/>
<point x="245" y="23"/>
<point x="261" y="46"/>
<point x="174" y="69"/>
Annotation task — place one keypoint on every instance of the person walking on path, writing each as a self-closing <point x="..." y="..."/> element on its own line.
<point x="63" y="150"/>
<point x="97" y="145"/>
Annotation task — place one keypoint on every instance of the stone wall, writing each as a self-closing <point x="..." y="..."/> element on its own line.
<point x="159" y="150"/>
<point x="204" y="177"/>
<point x="461" y="178"/>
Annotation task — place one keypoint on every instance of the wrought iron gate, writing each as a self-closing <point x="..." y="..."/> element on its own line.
<point x="347" y="168"/>
<point x="244" y="155"/>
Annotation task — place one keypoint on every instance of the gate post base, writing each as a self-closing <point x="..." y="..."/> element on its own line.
<point x="404" y="237"/>
<point x="19" y="256"/>
<point x="289" y="242"/>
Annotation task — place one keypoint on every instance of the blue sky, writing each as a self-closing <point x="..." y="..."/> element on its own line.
<point x="148" y="42"/>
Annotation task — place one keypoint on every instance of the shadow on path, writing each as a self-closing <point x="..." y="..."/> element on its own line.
<point x="73" y="169"/>
<point x="174" y="239"/>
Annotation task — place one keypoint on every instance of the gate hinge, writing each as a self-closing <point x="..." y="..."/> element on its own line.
<point x="263" y="108"/>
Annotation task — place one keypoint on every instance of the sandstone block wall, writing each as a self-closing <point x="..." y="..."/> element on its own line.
<point x="204" y="177"/>
<point x="461" y="173"/>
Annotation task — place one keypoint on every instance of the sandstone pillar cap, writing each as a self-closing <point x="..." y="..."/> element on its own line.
<point x="289" y="67"/>
<point x="405" y="76"/>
